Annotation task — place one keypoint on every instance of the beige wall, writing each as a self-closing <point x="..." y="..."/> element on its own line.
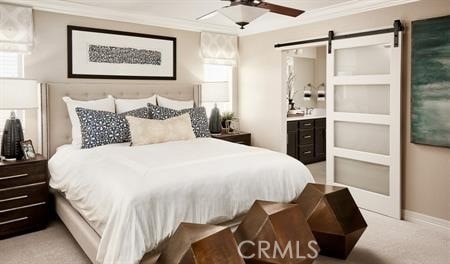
<point x="48" y="60"/>
<point x="426" y="179"/>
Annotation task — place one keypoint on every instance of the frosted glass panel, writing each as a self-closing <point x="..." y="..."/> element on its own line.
<point x="366" y="60"/>
<point x="362" y="137"/>
<point x="363" y="175"/>
<point x="367" y="99"/>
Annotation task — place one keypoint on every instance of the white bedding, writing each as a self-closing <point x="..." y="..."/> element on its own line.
<point x="135" y="197"/>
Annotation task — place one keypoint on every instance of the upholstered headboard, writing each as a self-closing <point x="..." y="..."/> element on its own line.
<point x="55" y="118"/>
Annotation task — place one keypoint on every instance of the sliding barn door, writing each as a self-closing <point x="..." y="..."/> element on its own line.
<point x="363" y="120"/>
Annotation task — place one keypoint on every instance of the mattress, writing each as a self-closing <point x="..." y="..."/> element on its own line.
<point x="135" y="197"/>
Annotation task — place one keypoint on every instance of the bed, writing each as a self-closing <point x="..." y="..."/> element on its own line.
<point x="121" y="203"/>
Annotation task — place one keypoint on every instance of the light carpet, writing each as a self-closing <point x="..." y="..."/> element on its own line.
<point x="386" y="240"/>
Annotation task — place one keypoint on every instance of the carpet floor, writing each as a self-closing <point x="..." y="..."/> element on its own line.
<point x="386" y="240"/>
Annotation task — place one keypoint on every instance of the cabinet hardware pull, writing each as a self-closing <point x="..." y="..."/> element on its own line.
<point x="14" y="176"/>
<point x="14" y="220"/>
<point x="306" y="136"/>
<point x="307" y="152"/>
<point x="307" y="124"/>
<point x="14" y="198"/>
<point x="22" y="207"/>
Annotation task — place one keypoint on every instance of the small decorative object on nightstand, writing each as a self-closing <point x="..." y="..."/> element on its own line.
<point x="239" y="137"/>
<point x="215" y="92"/>
<point x="23" y="196"/>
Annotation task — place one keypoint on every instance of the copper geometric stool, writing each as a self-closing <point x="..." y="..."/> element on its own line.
<point x="334" y="218"/>
<point x="201" y="244"/>
<point x="270" y="229"/>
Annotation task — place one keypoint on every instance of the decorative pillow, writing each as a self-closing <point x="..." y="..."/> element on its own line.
<point x="199" y="120"/>
<point x="100" y="128"/>
<point x="124" y="105"/>
<point x="174" y="104"/>
<point x="106" y="104"/>
<point x="151" y="131"/>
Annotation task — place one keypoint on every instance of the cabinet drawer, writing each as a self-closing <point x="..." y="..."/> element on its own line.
<point x="306" y="152"/>
<point x="240" y="139"/>
<point x="306" y="124"/>
<point x="292" y="126"/>
<point x="24" y="195"/>
<point x="11" y="176"/>
<point x="23" y="219"/>
<point x="306" y="136"/>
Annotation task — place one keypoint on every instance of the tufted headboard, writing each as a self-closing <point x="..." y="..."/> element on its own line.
<point x="56" y="127"/>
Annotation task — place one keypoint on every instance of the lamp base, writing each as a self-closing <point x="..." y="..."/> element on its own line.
<point x="12" y="136"/>
<point x="215" y="124"/>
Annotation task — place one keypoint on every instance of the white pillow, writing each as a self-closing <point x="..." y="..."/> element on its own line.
<point x="106" y="104"/>
<point x="125" y="105"/>
<point x="175" y="104"/>
<point x="151" y="131"/>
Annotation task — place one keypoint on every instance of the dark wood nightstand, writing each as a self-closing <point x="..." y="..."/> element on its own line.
<point x="240" y="138"/>
<point x="23" y="196"/>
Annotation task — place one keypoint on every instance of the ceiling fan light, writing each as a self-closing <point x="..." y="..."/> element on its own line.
<point x="242" y="13"/>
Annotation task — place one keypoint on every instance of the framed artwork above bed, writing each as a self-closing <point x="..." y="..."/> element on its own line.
<point x="108" y="54"/>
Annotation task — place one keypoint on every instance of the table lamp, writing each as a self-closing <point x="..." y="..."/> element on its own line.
<point x="15" y="94"/>
<point x="214" y="92"/>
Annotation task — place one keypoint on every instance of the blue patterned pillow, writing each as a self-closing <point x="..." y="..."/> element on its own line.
<point x="100" y="128"/>
<point x="199" y="120"/>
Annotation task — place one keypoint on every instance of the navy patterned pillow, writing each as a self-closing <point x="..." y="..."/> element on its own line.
<point x="100" y="128"/>
<point x="199" y="120"/>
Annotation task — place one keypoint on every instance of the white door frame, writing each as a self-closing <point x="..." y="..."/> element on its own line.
<point x="389" y="205"/>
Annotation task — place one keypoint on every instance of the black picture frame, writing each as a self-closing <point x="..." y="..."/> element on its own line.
<point x="28" y="149"/>
<point x="71" y="74"/>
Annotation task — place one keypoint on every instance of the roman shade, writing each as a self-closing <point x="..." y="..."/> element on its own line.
<point x="219" y="48"/>
<point x="16" y="28"/>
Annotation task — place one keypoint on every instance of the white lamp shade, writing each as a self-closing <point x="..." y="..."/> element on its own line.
<point x="243" y="13"/>
<point x="18" y="94"/>
<point x="215" y="92"/>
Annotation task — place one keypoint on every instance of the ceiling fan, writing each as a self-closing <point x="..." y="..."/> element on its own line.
<point x="242" y="12"/>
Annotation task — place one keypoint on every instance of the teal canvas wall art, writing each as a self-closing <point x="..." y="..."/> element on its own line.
<point x="430" y="81"/>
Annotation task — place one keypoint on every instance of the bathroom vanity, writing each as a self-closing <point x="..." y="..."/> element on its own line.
<point x="306" y="137"/>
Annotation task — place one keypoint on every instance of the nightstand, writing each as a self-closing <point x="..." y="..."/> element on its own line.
<point x="240" y="137"/>
<point x="23" y="196"/>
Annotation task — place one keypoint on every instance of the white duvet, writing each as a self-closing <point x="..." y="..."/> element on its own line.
<point x="135" y="197"/>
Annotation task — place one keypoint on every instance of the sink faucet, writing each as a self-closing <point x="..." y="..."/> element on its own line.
<point x="309" y="110"/>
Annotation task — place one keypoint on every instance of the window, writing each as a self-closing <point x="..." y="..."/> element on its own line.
<point x="11" y="66"/>
<point x="219" y="73"/>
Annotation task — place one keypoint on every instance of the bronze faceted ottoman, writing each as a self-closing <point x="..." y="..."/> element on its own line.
<point x="276" y="233"/>
<point x="334" y="218"/>
<point x="201" y="244"/>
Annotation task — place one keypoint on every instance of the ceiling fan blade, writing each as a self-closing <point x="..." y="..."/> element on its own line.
<point x="282" y="10"/>
<point x="210" y="14"/>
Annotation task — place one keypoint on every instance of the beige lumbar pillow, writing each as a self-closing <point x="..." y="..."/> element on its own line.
<point x="150" y="131"/>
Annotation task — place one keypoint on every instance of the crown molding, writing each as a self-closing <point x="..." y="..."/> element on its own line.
<point x="77" y="9"/>
<point x="316" y="15"/>
<point x="335" y="11"/>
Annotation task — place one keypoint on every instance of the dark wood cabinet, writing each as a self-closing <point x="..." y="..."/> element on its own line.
<point x="240" y="138"/>
<point x="306" y="140"/>
<point x="23" y="196"/>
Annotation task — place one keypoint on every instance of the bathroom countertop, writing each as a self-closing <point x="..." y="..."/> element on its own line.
<point x="306" y="117"/>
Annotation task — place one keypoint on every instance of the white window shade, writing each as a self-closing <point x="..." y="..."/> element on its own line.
<point x="16" y="28"/>
<point x="219" y="48"/>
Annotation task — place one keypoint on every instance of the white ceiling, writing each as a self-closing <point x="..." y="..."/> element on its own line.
<point x="183" y="13"/>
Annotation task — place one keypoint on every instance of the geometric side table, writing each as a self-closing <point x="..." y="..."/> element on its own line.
<point x="276" y="233"/>
<point x="333" y="217"/>
<point x="201" y="244"/>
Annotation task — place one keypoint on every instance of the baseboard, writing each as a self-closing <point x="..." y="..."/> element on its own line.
<point x="426" y="219"/>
